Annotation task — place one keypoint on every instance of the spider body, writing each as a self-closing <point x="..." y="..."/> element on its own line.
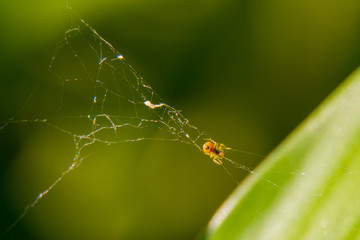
<point x="214" y="150"/>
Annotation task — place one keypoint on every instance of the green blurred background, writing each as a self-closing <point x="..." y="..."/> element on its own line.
<point x="247" y="72"/>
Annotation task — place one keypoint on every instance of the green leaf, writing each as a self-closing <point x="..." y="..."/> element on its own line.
<point x="308" y="188"/>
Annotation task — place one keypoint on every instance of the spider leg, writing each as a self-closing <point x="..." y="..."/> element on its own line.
<point x="222" y="147"/>
<point x="217" y="160"/>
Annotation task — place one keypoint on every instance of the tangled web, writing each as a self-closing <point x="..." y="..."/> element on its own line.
<point x="116" y="104"/>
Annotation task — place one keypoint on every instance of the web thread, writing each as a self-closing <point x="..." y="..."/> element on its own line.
<point x="116" y="104"/>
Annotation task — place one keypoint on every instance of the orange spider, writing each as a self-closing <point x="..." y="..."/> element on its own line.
<point x="214" y="150"/>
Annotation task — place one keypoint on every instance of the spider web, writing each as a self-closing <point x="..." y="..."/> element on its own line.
<point x="113" y="103"/>
<point x="116" y="104"/>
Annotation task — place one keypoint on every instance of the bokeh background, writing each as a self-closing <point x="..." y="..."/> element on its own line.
<point x="247" y="72"/>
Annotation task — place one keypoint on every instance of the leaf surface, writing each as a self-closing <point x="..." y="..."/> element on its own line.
<point x="308" y="188"/>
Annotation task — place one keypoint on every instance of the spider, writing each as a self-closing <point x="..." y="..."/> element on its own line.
<point x="214" y="150"/>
